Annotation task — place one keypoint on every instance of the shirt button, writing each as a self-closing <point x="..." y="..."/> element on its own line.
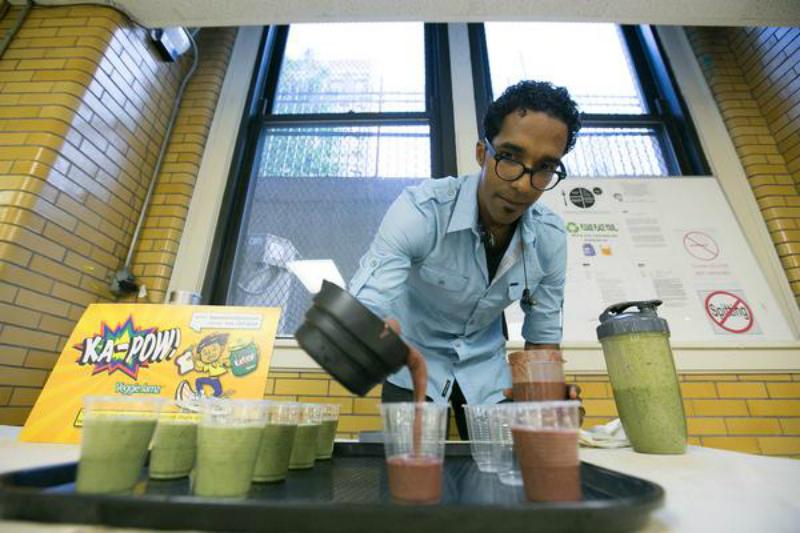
<point x="373" y="262"/>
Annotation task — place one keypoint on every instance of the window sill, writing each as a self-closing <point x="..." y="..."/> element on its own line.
<point x="587" y="358"/>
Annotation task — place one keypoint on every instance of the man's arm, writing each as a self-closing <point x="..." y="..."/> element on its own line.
<point x="543" y="320"/>
<point x="405" y="235"/>
<point x="543" y="317"/>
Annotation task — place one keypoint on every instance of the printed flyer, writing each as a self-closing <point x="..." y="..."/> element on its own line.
<point x="173" y="351"/>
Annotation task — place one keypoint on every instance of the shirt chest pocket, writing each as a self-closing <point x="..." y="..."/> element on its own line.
<point x="443" y="278"/>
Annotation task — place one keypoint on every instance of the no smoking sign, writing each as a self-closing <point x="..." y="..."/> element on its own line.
<point x="729" y="313"/>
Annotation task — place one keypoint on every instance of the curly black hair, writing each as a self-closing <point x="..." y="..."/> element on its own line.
<point x="532" y="95"/>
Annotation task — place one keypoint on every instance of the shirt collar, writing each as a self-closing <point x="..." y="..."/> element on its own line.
<point x="465" y="212"/>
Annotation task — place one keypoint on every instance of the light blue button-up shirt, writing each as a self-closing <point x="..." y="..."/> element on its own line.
<point x="427" y="269"/>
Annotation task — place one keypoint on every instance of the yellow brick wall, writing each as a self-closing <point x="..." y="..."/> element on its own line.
<point x="754" y="74"/>
<point x="158" y="245"/>
<point x="84" y="101"/>
<point x="753" y="413"/>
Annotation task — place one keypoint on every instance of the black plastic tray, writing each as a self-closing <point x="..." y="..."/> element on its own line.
<point x="347" y="494"/>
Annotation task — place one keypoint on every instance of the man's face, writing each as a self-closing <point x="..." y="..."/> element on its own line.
<point x="210" y="353"/>
<point x="531" y="137"/>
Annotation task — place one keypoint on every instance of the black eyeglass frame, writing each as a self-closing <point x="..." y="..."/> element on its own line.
<point x="560" y="171"/>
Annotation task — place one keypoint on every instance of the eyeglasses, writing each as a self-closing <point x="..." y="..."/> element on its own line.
<point x="543" y="178"/>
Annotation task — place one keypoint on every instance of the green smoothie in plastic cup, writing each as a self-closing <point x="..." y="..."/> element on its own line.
<point x="327" y="430"/>
<point x="228" y="438"/>
<point x="277" y="439"/>
<point x="175" y="441"/>
<point x="304" y="449"/>
<point x="114" y="439"/>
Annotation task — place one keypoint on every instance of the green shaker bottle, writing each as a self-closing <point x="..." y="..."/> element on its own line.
<point x="643" y="377"/>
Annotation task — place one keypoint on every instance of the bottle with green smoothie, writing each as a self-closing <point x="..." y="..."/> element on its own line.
<point x="175" y="440"/>
<point x="304" y="448"/>
<point x="228" y="438"/>
<point x="327" y="430"/>
<point x="643" y="377"/>
<point x="115" y="434"/>
<point x="277" y="439"/>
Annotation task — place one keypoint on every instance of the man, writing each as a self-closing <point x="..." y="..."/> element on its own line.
<point x="452" y="253"/>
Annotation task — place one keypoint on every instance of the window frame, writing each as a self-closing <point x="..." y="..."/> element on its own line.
<point x="667" y="115"/>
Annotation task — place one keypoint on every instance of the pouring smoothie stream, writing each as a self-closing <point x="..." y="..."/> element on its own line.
<point x="414" y="477"/>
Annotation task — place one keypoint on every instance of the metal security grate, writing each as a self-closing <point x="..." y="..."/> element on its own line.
<point x="347" y="152"/>
<point x="617" y="152"/>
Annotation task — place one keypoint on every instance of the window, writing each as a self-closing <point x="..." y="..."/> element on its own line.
<point x="350" y="115"/>
<point x="632" y="123"/>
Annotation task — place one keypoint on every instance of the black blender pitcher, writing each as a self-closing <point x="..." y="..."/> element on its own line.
<point x="349" y="341"/>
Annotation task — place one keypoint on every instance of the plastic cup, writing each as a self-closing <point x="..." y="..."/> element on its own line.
<point x="304" y="449"/>
<point x="501" y="417"/>
<point x="228" y="439"/>
<point x="546" y="440"/>
<point x="175" y="440"/>
<point x="414" y="437"/>
<point x="114" y="439"/>
<point x="537" y="375"/>
<point x="277" y="440"/>
<point x="480" y="440"/>
<point x="327" y="430"/>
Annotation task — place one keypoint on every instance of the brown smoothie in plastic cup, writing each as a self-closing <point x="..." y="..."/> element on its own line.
<point x="537" y="375"/>
<point x="549" y="462"/>
<point x="415" y="479"/>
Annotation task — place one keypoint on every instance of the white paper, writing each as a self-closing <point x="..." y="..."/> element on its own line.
<point x="312" y="272"/>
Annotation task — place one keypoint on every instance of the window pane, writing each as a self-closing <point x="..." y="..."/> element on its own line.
<point x="346" y="152"/>
<point x="590" y="60"/>
<point x="616" y="152"/>
<point x="305" y="218"/>
<point x="337" y="68"/>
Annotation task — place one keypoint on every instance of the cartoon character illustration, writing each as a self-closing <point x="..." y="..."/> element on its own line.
<point x="209" y="359"/>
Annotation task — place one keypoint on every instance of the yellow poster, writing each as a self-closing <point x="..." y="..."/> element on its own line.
<point x="172" y="351"/>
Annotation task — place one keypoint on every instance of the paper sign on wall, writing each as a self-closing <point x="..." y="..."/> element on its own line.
<point x="171" y="351"/>
<point x="675" y="240"/>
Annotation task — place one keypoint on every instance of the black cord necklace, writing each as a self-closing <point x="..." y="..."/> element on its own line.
<point x="526" y="294"/>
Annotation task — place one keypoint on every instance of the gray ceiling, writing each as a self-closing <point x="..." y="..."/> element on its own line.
<point x="156" y="13"/>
